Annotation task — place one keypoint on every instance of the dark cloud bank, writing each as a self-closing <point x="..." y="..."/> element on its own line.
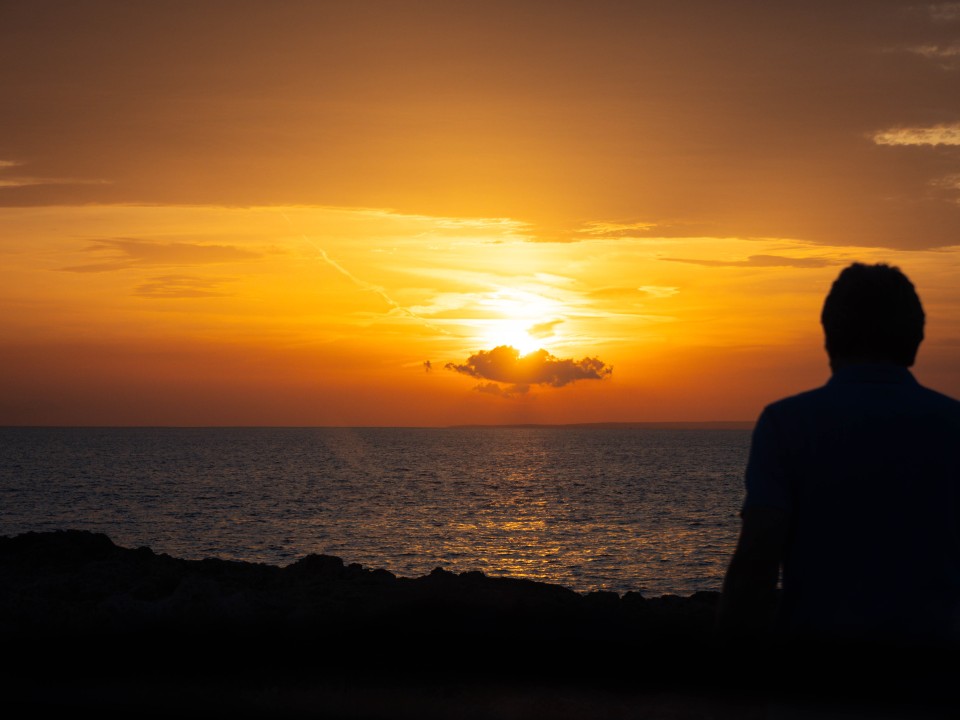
<point x="504" y="364"/>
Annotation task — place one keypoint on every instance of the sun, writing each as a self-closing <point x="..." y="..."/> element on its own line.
<point x="519" y="318"/>
<point x="511" y="332"/>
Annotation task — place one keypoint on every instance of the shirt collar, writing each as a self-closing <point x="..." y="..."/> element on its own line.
<point x="873" y="373"/>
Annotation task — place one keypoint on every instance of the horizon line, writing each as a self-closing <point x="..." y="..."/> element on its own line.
<point x="673" y="424"/>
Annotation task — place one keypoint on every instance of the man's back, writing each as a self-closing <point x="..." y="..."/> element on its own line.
<point x="853" y="489"/>
<point x="867" y="469"/>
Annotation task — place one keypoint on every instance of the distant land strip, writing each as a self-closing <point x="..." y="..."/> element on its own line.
<point x="699" y="425"/>
<point x="691" y="425"/>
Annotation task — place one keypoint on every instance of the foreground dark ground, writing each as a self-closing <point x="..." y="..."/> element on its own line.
<point x="87" y="625"/>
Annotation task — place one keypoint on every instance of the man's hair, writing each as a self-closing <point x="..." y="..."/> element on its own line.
<point x="872" y="312"/>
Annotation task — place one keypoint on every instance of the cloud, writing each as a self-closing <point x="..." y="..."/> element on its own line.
<point x="599" y="230"/>
<point x="659" y="291"/>
<point x="504" y="364"/>
<point x="510" y="392"/>
<point x="944" y="12"/>
<point x="949" y="181"/>
<point x="107" y="266"/>
<point x="594" y="230"/>
<point x="946" y="56"/>
<point x="493" y="230"/>
<point x="15" y="181"/>
<point x="544" y="329"/>
<point x="179" y="286"/>
<point x="761" y="261"/>
<point x="614" y="291"/>
<point x="614" y="230"/>
<point x="129" y="252"/>
<point x="948" y="185"/>
<point x="23" y="181"/>
<point x="943" y="134"/>
<point x="630" y="293"/>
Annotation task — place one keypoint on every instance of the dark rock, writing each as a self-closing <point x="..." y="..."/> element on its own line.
<point x="80" y="585"/>
<point x="602" y="600"/>
<point x="381" y="576"/>
<point x="706" y="597"/>
<point x="55" y="549"/>
<point x="321" y="566"/>
<point x="75" y="605"/>
<point x="633" y="601"/>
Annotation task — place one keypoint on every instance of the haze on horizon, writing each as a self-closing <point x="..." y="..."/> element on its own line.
<point x="322" y="213"/>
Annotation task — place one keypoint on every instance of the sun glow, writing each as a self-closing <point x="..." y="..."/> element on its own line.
<point x="522" y="319"/>
<point x="511" y="332"/>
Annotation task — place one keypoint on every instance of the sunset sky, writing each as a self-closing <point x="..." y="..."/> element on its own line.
<point x="340" y="213"/>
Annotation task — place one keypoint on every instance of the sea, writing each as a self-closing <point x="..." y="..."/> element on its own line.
<point x="651" y="510"/>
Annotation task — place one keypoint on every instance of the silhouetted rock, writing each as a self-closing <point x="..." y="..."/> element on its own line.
<point x="69" y="583"/>
<point x="75" y="605"/>
<point x="316" y="566"/>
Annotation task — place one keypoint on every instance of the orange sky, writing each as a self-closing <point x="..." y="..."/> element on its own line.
<point x="320" y="213"/>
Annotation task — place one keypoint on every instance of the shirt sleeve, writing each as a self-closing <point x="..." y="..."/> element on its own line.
<point x="767" y="482"/>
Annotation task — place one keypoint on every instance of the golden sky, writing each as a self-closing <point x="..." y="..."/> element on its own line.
<point x="341" y="213"/>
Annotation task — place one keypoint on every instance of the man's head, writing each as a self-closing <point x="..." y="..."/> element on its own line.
<point x="872" y="314"/>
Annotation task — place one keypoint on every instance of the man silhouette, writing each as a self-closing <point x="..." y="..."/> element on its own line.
<point x="853" y="489"/>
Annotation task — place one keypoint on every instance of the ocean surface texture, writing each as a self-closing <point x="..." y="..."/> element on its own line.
<point x="618" y="509"/>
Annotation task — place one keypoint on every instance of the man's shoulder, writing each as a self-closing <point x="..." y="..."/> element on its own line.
<point x="799" y="401"/>
<point x="942" y="410"/>
<point x="831" y="395"/>
<point x="938" y="398"/>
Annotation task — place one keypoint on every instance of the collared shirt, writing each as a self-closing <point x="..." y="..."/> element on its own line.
<point x="868" y="470"/>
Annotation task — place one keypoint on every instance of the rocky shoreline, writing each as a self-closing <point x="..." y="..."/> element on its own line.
<point x="76" y="583"/>
<point x="76" y="610"/>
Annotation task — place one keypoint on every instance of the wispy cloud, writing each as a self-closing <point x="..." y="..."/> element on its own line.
<point x="761" y="261"/>
<point x="659" y="291"/>
<point x="497" y="229"/>
<point x="29" y="181"/>
<point x="594" y="230"/>
<point x="944" y="12"/>
<point x="614" y="229"/>
<point x="944" y="134"/>
<point x="950" y="183"/>
<point x="13" y="181"/>
<point x="129" y="252"/>
<point x="180" y="286"/>
<point x="631" y="292"/>
<point x="510" y="391"/>
<point x="946" y="57"/>
<point x="395" y="307"/>
<point x="544" y="329"/>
